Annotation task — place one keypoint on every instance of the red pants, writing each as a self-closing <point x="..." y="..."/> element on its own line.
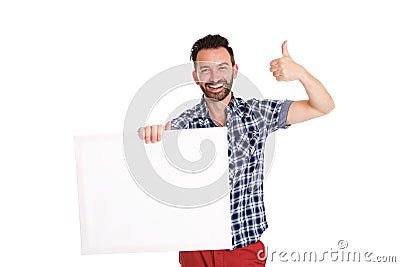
<point x="240" y="257"/>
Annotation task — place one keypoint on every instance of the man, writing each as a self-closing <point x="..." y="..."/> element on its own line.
<point x="248" y="124"/>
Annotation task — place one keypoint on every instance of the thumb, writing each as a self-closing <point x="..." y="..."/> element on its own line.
<point x="285" y="51"/>
<point x="168" y="126"/>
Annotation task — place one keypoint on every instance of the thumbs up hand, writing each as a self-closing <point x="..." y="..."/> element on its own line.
<point x="285" y="69"/>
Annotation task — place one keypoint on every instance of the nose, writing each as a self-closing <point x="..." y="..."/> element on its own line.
<point x="215" y="76"/>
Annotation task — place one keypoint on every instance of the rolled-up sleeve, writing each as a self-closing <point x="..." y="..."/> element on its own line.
<point x="274" y="113"/>
<point x="283" y="113"/>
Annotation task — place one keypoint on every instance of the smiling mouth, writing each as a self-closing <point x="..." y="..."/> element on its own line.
<point x="215" y="87"/>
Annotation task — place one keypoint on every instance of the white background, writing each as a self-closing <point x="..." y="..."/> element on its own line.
<point x="72" y="67"/>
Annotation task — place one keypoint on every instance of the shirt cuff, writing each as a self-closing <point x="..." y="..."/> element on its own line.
<point x="284" y="113"/>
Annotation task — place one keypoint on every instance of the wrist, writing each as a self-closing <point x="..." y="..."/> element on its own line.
<point x="304" y="76"/>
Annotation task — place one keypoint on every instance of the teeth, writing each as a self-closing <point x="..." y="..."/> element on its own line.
<point x="216" y="86"/>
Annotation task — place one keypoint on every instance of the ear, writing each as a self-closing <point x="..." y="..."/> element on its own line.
<point x="235" y="70"/>
<point x="195" y="78"/>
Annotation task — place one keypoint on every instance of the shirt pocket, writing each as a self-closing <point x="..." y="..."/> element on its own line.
<point x="245" y="144"/>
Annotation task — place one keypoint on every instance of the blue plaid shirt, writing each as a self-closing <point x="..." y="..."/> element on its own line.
<point x="248" y="125"/>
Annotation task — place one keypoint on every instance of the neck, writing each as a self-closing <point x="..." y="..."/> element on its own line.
<point x="217" y="108"/>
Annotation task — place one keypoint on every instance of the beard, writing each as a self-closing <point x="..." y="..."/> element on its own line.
<point x="217" y="91"/>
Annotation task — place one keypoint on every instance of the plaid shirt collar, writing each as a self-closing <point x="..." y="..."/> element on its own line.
<point x="237" y="105"/>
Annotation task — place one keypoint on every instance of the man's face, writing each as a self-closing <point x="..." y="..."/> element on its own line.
<point x="214" y="73"/>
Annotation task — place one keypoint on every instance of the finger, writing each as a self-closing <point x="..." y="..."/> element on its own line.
<point x="160" y="129"/>
<point x="147" y="134"/>
<point x="276" y="74"/>
<point x="282" y="78"/>
<point x="141" y="132"/>
<point x="274" y="62"/>
<point x="285" y="51"/>
<point x="274" y="68"/>
<point x="154" y="129"/>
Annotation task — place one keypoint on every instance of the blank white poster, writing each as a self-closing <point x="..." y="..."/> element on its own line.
<point x="117" y="216"/>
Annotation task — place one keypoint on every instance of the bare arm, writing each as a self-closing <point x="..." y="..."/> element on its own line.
<point x="153" y="133"/>
<point x="319" y="101"/>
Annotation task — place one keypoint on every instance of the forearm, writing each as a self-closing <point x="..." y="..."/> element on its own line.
<point x="318" y="96"/>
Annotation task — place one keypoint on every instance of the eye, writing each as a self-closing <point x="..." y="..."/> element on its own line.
<point x="204" y="70"/>
<point x="222" y="68"/>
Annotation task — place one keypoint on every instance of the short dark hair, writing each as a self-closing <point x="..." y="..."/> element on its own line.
<point x="210" y="42"/>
